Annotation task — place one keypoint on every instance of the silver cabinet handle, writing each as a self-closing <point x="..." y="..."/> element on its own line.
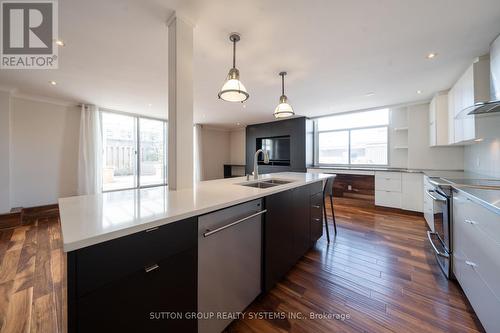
<point x="317" y="220"/>
<point x="211" y="232"/>
<point x="429" y="193"/>
<point x="151" y="268"/>
<point x="470" y="221"/>
<point x="316" y="206"/>
<point x="470" y="263"/>
<point x="439" y="253"/>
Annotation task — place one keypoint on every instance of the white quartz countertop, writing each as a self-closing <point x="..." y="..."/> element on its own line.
<point x="92" y="219"/>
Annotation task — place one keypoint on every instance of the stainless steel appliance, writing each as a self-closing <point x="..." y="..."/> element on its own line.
<point x="493" y="105"/>
<point x="440" y="239"/>
<point x="229" y="263"/>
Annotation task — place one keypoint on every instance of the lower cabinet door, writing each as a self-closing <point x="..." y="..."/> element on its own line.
<point x="316" y="217"/>
<point x="301" y="222"/>
<point x="278" y="238"/>
<point x="154" y="301"/>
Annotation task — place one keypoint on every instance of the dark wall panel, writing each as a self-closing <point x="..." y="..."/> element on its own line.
<point x="295" y="127"/>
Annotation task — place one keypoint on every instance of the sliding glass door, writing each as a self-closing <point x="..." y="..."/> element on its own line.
<point x="152" y="170"/>
<point x="134" y="152"/>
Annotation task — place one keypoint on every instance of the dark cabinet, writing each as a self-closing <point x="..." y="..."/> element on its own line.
<point x="278" y="238"/>
<point x="288" y="231"/>
<point x="316" y="216"/>
<point x="124" y="285"/>
<point x="300" y="221"/>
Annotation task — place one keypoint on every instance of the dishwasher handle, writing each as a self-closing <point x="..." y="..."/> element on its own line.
<point x="211" y="232"/>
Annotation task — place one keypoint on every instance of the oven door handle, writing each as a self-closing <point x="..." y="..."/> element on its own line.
<point x="439" y="253"/>
<point x="434" y="197"/>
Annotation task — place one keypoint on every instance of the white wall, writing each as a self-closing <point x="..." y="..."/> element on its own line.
<point x="420" y="155"/>
<point x="484" y="157"/>
<point x="216" y="152"/>
<point x="237" y="140"/>
<point x="5" y="119"/>
<point x="44" y="152"/>
<point x="221" y="146"/>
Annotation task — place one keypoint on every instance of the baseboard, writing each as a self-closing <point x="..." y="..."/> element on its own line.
<point x="23" y="216"/>
<point x="399" y="210"/>
<point x="12" y="219"/>
<point x="31" y="214"/>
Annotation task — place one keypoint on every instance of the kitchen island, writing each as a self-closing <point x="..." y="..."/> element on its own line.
<point x="134" y="256"/>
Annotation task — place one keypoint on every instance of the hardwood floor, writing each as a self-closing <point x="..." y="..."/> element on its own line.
<point x="379" y="274"/>
<point x="379" y="271"/>
<point x="32" y="273"/>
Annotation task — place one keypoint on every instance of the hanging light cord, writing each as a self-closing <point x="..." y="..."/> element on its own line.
<point x="282" y="84"/>
<point x="234" y="53"/>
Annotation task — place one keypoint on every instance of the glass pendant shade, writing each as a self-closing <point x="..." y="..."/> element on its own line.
<point x="283" y="109"/>
<point x="233" y="90"/>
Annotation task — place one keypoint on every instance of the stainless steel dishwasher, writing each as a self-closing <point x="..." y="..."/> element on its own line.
<point x="229" y="263"/>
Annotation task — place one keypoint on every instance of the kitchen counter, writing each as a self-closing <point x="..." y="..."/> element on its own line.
<point x="92" y="219"/>
<point x="372" y="170"/>
<point x="488" y="198"/>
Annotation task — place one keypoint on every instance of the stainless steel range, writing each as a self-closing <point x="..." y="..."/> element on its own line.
<point x="441" y="238"/>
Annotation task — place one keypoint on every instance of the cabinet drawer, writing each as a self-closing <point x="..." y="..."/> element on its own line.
<point x="476" y="244"/>
<point x="125" y="305"/>
<point x="484" y="302"/>
<point x="388" y="181"/>
<point x="388" y="199"/>
<point x="482" y="218"/>
<point x="316" y="188"/>
<point x="106" y="262"/>
<point x="317" y="205"/>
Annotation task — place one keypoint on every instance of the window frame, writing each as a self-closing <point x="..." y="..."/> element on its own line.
<point x="137" y="175"/>
<point x="349" y="130"/>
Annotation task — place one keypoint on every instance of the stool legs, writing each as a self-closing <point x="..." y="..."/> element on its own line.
<point x="326" y="222"/>
<point x="333" y="215"/>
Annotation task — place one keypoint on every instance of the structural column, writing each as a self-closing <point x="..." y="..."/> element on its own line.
<point x="180" y="103"/>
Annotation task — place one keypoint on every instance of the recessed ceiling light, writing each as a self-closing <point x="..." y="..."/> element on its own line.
<point x="150" y="105"/>
<point x="419" y="92"/>
<point x="431" y="55"/>
<point x="52" y="83"/>
<point x="369" y="94"/>
<point x="238" y="124"/>
<point x="60" y="43"/>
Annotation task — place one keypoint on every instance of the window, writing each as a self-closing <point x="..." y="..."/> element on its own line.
<point x="356" y="138"/>
<point x="134" y="151"/>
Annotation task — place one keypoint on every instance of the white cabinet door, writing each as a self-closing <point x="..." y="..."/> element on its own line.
<point x="476" y="261"/>
<point x="388" y="199"/>
<point x="411" y="192"/>
<point x="451" y="115"/>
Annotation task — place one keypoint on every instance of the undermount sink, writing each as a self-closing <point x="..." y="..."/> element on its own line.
<point x="266" y="183"/>
<point x="277" y="181"/>
<point x="260" y="184"/>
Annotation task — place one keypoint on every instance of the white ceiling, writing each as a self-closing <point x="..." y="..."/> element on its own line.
<point x="334" y="51"/>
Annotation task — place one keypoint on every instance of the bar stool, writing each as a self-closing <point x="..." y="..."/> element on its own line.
<point x="328" y="191"/>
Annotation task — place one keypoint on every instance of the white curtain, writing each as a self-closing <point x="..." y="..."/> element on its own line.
<point x="90" y="151"/>
<point x="198" y="152"/>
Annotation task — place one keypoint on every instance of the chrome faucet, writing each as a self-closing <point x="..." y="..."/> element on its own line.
<point x="255" y="165"/>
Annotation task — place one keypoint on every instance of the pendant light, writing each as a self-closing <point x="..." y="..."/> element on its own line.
<point x="283" y="109"/>
<point x="233" y="90"/>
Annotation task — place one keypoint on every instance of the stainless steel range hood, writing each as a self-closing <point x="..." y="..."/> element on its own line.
<point x="493" y="106"/>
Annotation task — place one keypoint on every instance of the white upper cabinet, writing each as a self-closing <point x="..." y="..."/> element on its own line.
<point x="471" y="88"/>
<point x="438" y="120"/>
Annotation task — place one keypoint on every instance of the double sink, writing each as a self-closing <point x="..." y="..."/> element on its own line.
<point x="266" y="183"/>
